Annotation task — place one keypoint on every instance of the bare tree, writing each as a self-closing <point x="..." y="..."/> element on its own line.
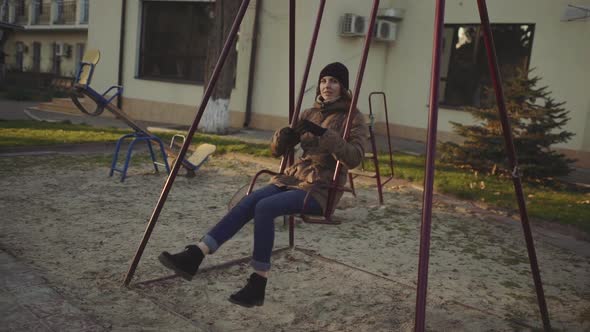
<point x="216" y="116"/>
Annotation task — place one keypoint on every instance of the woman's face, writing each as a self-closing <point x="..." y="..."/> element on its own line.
<point x="329" y="88"/>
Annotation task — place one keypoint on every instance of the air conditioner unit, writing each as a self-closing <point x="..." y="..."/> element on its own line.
<point x="352" y="25"/>
<point x="385" y="31"/>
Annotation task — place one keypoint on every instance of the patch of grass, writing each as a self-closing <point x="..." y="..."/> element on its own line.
<point x="33" y="133"/>
<point x="552" y="201"/>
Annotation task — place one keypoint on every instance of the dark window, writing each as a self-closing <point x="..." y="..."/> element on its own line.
<point x="20" y="8"/>
<point x="20" y="50"/>
<point x="36" y="57"/>
<point x="56" y="60"/>
<point x="174" y="40"/>
<point x="464" y="73"/>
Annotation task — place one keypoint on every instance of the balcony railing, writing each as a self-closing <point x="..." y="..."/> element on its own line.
<point x="66" y="13"/>
<point x="21" y="14"/>
<point x="41" y="14"/>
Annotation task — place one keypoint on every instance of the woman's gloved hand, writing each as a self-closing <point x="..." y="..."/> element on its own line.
<point x="308" y="126"/>
<point x="289" y="137"/>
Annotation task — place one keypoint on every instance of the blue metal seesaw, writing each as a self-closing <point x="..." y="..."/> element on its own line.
<point x="81" y="87"/>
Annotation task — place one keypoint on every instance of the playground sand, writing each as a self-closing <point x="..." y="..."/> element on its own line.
<point x="79" y="228"/>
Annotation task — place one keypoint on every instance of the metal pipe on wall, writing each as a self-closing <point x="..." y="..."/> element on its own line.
<point x="252" y="68"/>
<point x="121" y="50"/>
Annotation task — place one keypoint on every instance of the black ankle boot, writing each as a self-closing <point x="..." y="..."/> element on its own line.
<point x="185" y="263"/>
<point x="252" y="294"/>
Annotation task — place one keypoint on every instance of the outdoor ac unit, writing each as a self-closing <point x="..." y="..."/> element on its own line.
<point x="385" y="31"/>
<point x="352" y="25"/>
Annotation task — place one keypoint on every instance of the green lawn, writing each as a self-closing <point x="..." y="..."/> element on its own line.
<point x="557" y="202"/>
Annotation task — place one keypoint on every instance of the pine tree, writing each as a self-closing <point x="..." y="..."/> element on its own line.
<point x="535" y="118"/>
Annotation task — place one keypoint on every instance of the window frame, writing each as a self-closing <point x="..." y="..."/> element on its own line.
<point x="443" y="103"/>
<point x="142" y="39"/>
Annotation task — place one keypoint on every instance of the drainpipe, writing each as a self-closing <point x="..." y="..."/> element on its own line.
<point x="121" y="50"/>
<point x="248" y="111"/>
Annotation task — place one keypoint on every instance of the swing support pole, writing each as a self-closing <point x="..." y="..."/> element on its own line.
<point x="425" y="228"/>
<point x="430" y="156"/>
<point x="291" y="158"/>
<point x="512" y="161"/>
<point x="355" y="94"/>
<point x="229" y="42"/>
<point x="295" y="114"/>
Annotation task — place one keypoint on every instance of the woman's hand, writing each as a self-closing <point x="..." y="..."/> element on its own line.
<point x="283" y="140"/>
<point x="304" y="126"/>
<point x="289" y="136"/>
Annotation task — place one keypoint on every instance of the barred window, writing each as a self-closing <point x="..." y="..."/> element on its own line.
<point x="174" y="40"/>
<point x="464" y="69"/>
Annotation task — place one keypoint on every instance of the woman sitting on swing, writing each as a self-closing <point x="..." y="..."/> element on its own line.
<point x="319" y="132"/>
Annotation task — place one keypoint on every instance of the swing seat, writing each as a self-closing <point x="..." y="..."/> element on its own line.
<point x="201" y="155"/>
<point x="362" y="172"/>
<point x="325" y="218"/>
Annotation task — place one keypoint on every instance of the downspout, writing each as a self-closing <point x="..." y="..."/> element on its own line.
<point x="253" y="52"/>
<point x="121" y="50"/>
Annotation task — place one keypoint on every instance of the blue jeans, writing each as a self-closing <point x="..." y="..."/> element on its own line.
<point x="264" y="205"/>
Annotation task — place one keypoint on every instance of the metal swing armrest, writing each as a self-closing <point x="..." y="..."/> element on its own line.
<point x="255" y="178"/>
<point x="326" y="217"/>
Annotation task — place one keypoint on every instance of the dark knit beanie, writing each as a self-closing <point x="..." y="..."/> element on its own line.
<point x="336" y="70"/>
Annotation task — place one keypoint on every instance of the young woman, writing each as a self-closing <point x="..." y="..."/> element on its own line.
<point x="319" y="133"/>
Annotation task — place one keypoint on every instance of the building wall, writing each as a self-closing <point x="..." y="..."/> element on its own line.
<point x="271" y="84"/>
<point x="558" y="56"/>
<point x="401" y="69"/>
<point x="46" y="38"/>
<point x="104" y="26"/>
<point x="148" y="99"/>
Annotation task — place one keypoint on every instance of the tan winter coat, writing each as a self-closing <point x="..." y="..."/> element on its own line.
<point x="317" y="164"/>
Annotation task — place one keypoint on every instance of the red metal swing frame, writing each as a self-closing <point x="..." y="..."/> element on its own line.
<point x="420" y="313"/>
<point x="353" y="174"/>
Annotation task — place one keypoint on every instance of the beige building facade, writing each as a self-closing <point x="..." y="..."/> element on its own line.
<point x="53" y="38"/>
<point x="539" y="34"/>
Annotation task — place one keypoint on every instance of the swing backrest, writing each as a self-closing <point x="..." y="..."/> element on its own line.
<point x="89" y="61"/>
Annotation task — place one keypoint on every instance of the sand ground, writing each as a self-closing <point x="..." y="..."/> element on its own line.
<point x="80" y="229"/>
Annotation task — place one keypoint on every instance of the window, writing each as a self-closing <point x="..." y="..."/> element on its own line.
<point x="174" y="40"/>
<point x="80" y="49"/>
<point x="84" y="12"/>
<point x="20" y="52"/>
<point x="20" y="8"/>
<point x="56" y="59"/>
<point x="465" y="75"/>
<point x="36" y="57"/>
